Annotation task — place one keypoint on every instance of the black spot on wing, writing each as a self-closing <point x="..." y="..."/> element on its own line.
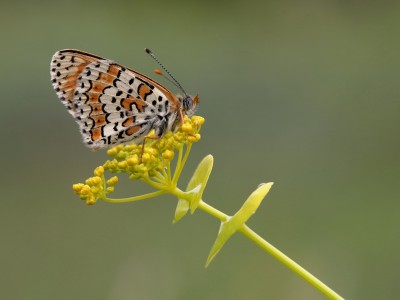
<point x="146" y="83"/>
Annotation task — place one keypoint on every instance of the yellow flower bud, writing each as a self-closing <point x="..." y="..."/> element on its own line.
<point x="95" y="189"/>
<point x="130" y="148"/>
<point x="198" y="120"/>
<point x="146" y="157"/>
<point x="96" y="180"/>
<point x="132" y="161"/>
<point x="112" y="152"/>
<point x="122" y="164"/>
<point x="142" y="169"/>
<point x="111" y="165"/>
<point x="134" y="176"/>
<point x="110" y="189"/>
<point x="91" y="200"/>
<point x="178" y="137"/>
<point x="85" y="190"/>
<point x="99" y="171"/>
<point x="77" y="187"/>
<point x="113" y="180"/>
<point x="187" y="127"/>
<point x="168" y="154"/>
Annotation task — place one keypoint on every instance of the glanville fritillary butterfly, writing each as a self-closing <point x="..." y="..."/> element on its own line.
<point x="113" y="104"/>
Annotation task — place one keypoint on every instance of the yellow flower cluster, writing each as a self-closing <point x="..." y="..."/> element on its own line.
<point x="155" y="153"/>
<point x="139" y="161"/>
<point x="95" y="187"/>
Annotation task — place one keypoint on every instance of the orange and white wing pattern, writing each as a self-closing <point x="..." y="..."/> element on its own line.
<point x="112" y="104"/>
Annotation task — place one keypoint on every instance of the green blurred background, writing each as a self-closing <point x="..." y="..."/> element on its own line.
<point x="302" y="93"/>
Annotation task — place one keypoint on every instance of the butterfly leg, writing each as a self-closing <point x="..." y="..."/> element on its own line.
<point x="150" y="137"/>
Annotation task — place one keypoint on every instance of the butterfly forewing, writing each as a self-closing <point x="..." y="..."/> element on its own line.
<point x="112" y="104"/>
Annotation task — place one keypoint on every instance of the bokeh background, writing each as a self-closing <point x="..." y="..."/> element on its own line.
<point x="302" y="93"/>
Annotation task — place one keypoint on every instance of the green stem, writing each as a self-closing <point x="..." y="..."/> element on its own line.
<point x="175" y="177"/>
<point x="185" y="157"/>
<point x="155" y="185"/>
<point x="181" y="163"/>
<point x="160" y="177"/>
<point x="245" y="230"/>
<point x="318" y="284"/>
<point x="136" y="198"/>
<point x="167" y="173"/>
<point x="166" y="185"/>
<point x="213" y="211"/>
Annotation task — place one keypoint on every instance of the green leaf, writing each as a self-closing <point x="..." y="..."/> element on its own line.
<point x="195" y="188"/>
<point x="233" y="224"/>
<point x="199" y="181"/>
<point x="250" y="206"/>
<point x="226" y="230"/>
<point x="181" y="210"/>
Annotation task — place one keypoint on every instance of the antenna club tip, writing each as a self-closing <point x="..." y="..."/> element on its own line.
<point x="148" y="51"/>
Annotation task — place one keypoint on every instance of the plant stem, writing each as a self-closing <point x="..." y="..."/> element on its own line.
<point x="165" y="184"/>
<point x="136" y="198"/>
<point x="323" y="288"/>
<point x="212" y="211"/>
<point x="180" y="163"/>
<point x="177" y="171"/>
<point x="245" y="230"/>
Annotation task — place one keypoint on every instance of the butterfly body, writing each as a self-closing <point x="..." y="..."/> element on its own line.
<point x="113" y="104"/>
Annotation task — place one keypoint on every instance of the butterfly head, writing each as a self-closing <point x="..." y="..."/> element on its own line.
<point x="189" y="104"/>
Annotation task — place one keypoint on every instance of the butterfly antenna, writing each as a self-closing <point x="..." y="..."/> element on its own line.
<point x="175" y="82"/>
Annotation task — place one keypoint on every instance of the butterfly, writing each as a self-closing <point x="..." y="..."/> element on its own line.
<point x="113" y="104"/>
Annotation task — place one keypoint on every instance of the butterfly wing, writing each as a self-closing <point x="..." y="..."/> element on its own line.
<point x="112" y="104"/>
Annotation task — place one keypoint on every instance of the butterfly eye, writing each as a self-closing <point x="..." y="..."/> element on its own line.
<point x="187" y="103"/>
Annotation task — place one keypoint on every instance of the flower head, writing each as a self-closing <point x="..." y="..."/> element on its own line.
<point x="144" y="161"/>
<point x="155" y="153"/>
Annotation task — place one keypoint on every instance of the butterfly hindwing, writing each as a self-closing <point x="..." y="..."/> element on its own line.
<point x="111" y="104"/>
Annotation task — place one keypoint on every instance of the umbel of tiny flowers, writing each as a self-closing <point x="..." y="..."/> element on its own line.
<point x="152" y="163"/>
<point x="149" y="162"/>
